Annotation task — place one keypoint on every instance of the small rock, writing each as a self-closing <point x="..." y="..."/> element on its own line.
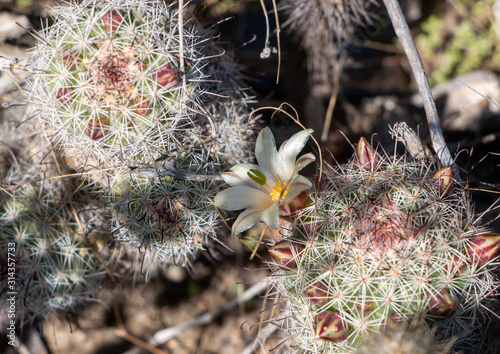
<point x="9" y="29"/>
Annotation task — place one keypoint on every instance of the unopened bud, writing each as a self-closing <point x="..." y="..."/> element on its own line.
<point x="484" y="248"/>
<point x="112" y="20"/>
<point x="367" y="157"/>
<point x="141" y="106"/>
<point x="286" y="254"/>
<point x="167" y="76"/>
<point x="300" y="202"/>
<point x="455" y="266"/>
<point x="331" y="327"/>
<point x="317" y="293"/>
<point x="443" y="178"/>
<point x="442" y="304"/>
<point x="70" y="58"/>
<point x="64" y="95"/>
<point x="96" y="129"/>
<point x="365" y="307"/>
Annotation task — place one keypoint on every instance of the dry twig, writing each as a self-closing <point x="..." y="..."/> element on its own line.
<point x="408" y="44"/>
<point x="164" y="335"/>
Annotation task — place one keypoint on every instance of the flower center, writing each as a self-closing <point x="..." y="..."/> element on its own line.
<point x="276" y="192"/>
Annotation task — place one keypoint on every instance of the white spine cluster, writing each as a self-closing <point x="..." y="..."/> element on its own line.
<point x="56" y="270"/>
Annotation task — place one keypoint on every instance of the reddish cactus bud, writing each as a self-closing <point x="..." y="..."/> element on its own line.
<point x="391" y="322"/>
<point x="112" y="20"/>
<point x="366" y="156"/>
<point x="331" y="327"/>
<point x="300" y="202"/>
<point x="96" y="129"/>
<point x="365" y="307"/>
<point x="442" y="304"/>
<point x="484" y="248"/>
<point x="443" y="179"/>
<point x="286" y="253"/>
<point x="167" y="76"/>
<point x="64" y="95"/>
<point x="317" y="294"/>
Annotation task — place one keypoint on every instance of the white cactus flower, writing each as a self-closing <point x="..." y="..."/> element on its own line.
<point x="267" y="189"/>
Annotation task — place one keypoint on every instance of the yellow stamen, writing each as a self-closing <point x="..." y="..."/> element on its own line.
<point x="276" y="193"/>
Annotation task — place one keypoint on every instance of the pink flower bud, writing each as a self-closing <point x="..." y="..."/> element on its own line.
<point x="167" y="76"/>
<point x="443" y="179"/>
<point x="442" y="304"/>
<point x="286" y="254"/>
<point x="300" y="202"/>
<point x="484" y="248"/>
<point x="331" y="327"/>
<point x="96" y="129"/>
<point x="366" y="156"/>
<point x="365" y="307"/>
<point x="317" y="293"/>
<point x="112" y="20"/>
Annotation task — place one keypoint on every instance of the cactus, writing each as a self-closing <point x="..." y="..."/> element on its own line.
<point x="117" y="86"/>
<point x="55" y="268"/>
<point x="109" y="88"/>
<point x="408" y="338"/>
<point x="383" y="239"/>
<point x="168" y="217"/>
<point x="324" y="27"/>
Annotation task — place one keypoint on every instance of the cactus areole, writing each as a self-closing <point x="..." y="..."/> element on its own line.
<point x="382" y="241"/>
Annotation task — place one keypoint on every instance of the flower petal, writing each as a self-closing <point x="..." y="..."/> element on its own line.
<point x="304" y="160"/>
<point x="266" y="152"/>
<point x="238" y="176"/>
<point x="298" y="185"/>
<point x="290" y="149"/>
<point x="246" y="220"/>
<point x="242" y="197"/>
<point x="271" y="216"/>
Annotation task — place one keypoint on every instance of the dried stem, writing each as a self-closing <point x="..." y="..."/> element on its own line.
<point x="404" y="35"/>
<point x="164" y="335"/>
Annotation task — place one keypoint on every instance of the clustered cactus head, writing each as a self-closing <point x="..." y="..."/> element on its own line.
<point x="407" y="338"/>
<point x="169" y="218"/>
<point x="383" y="239"/>
<point x="121" y="83"/>
<point x="109" y="88"/>
<point x="55" y="268"/>
<point x="323" y="28"/>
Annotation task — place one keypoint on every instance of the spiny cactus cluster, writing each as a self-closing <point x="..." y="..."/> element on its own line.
<point x="382" y="240"/>
<point x="110" y="89"/>
<point x="324" y="27"/>
<point x="55" y="268"/>
<point x="166" y="216"/>
<point x="407" y="338"/>
<point x="120" y="84"/>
